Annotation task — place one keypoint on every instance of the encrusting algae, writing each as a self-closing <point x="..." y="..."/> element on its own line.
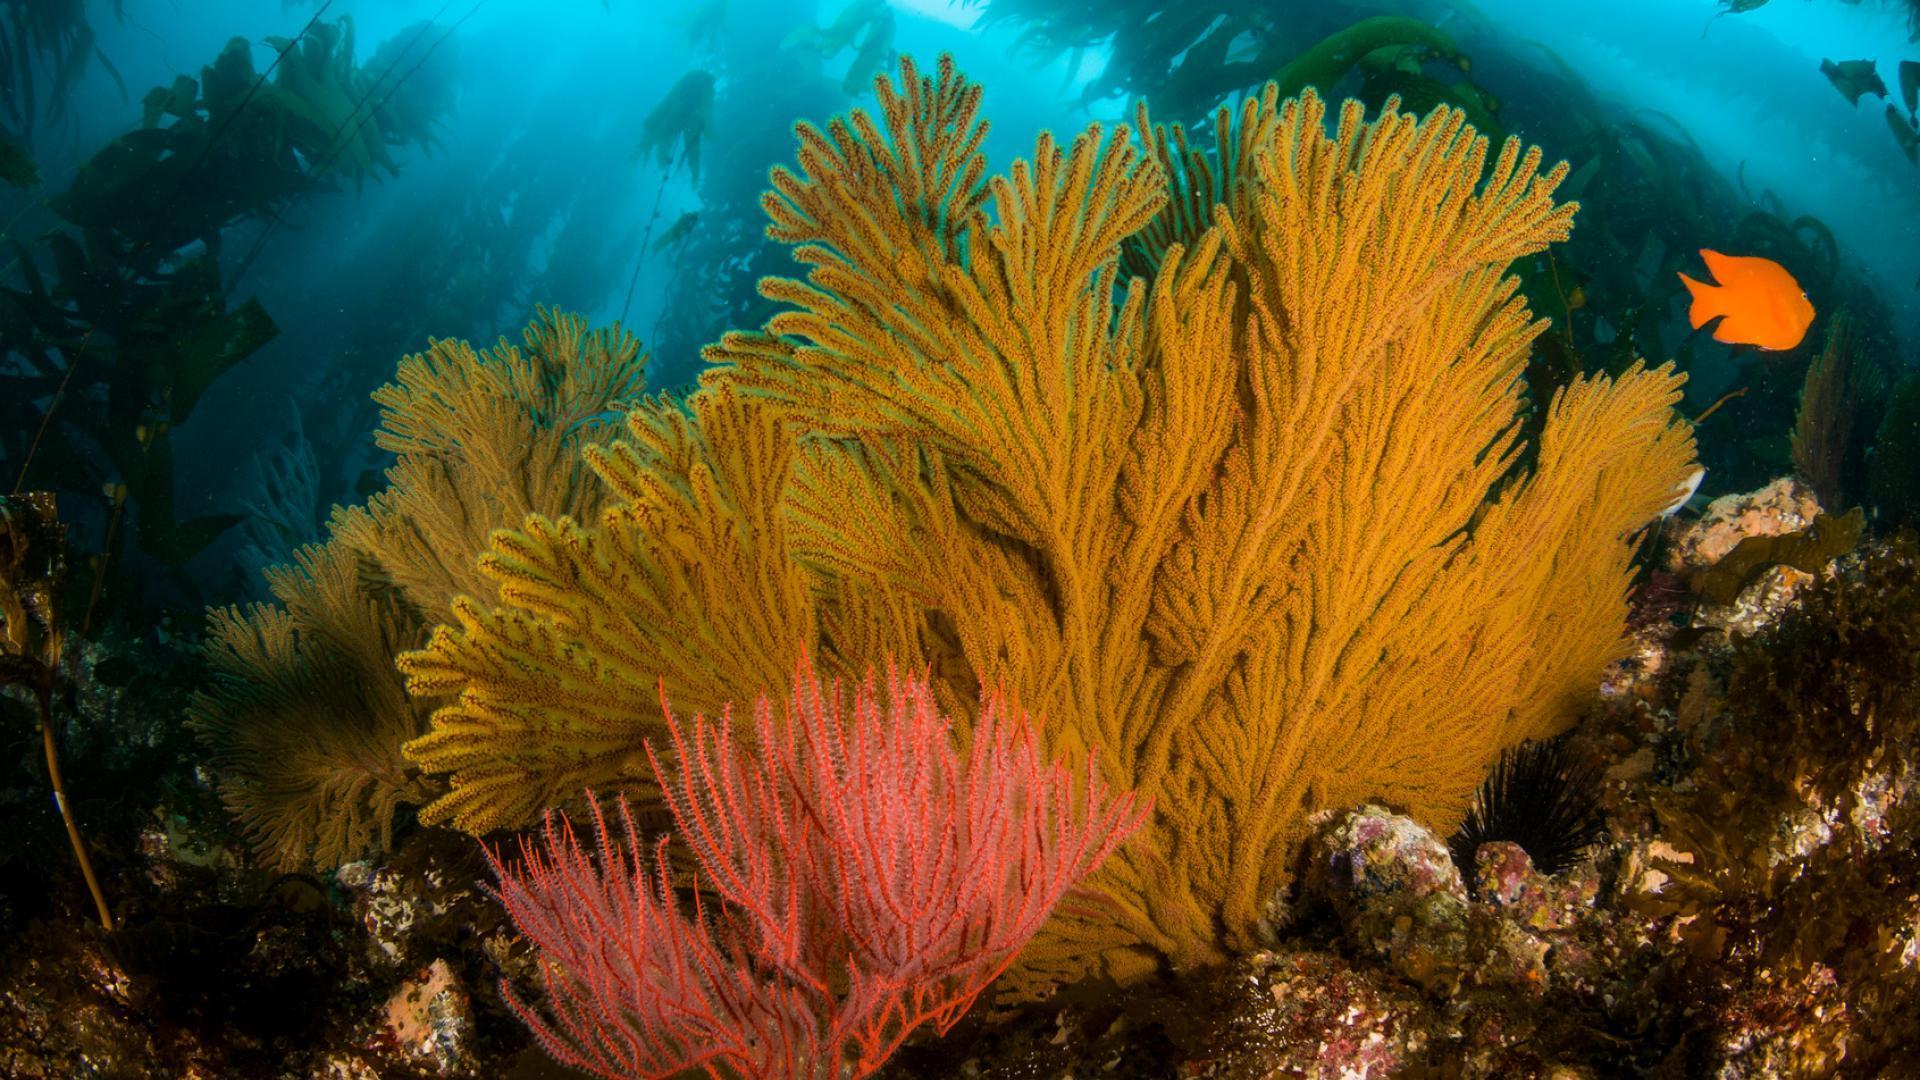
<point x="1251" y="526"/>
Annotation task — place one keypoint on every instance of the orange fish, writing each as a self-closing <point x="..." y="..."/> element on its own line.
<point x="1763" y="305"/>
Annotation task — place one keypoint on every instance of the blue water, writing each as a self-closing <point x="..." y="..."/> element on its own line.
<point x="534" y="193"/>
<point x="1748" y="88"/>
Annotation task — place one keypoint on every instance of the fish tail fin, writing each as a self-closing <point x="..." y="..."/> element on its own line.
<point x="1706" y="301"/>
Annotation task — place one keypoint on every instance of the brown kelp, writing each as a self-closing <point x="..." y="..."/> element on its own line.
<point x="1841" y="401"/>
<point x="122" y="321"/>
<point x="17" y="168"/>
<point x="1189" y="57"/>
<point x="32" y="561"/>
<point x="44" y="48"/>
<point x="1392" y="55"/>
<point x="680" y="119"/>
<point x="865" y="26"/>
<point x="718" y="265"/>
<point x="1183" y="57"/>
<point x="673" y="130"/>
<point x="1853" y="78"/>
<point x="1789" y="841"/>
<point x="1893" y="478"/>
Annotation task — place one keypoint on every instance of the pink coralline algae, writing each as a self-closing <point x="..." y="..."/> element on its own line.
<point x="1398" y="897"/>
<point x="1784" y="506"/>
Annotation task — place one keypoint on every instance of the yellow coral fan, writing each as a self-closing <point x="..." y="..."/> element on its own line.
<point x="485" y="438"/>
<point x="1248" y="524"/>
<point x="687" y="576"/>
<point x="307" y="713"/>
<point x="1236" y="533"/>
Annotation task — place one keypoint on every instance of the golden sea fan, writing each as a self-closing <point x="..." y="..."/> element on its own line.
<point x="1249" y="524"/>
<point x="306" y="714"/>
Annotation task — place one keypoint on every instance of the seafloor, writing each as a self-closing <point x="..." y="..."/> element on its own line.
<point x="1752" y="909"/>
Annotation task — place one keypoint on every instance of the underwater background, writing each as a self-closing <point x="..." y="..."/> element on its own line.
<point x="464" y="223"/>
<point x="315" y="566"/>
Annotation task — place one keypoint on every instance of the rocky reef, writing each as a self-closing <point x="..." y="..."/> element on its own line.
<point x="1751" y="912"/>
<point x="1751" y="909"/>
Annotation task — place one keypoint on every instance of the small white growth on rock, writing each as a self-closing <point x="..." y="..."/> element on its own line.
<point x="431" y="1019"/>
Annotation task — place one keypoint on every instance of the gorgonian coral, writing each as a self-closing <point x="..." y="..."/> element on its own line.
<point x="305" y="715"/>
<point x="863" y="877"/>
<point x="1252" y="525"/>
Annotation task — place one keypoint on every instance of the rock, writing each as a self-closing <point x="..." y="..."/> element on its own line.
<point x="1503" y="872"/>
<point x="395" y="901"/>
<point x="385" y="906"/>
<point x="1784" y="506"/>
<point x="1396" y="891"/>
<point x="1759" y="604"/>
<point x="1525" y="926"/>
<point x="347" y="1066"/>
<point x="431" y="1019"/>
<point x="1783" y="1026"/>
<point x="1507" y="954"/>
<point x="1308" y="1014"/>
<point x="1358" y="857"/>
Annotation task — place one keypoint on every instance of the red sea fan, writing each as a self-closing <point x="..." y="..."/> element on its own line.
<point x="871" y="878"/>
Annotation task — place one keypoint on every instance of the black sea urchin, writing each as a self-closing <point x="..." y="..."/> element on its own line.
<point x="1541" y="796"/>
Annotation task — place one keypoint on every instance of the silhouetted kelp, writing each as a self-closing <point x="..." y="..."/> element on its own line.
<point x="32" y="561"/>
<point x="1893" y="475"/>
<point x="718" y="266"/>
<point x="44" y="49"/>
<point x="104" y="356"/>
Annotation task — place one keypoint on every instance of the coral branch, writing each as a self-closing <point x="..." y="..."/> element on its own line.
<point x="872" y="878"/>
<point x="1259" y="526"/>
